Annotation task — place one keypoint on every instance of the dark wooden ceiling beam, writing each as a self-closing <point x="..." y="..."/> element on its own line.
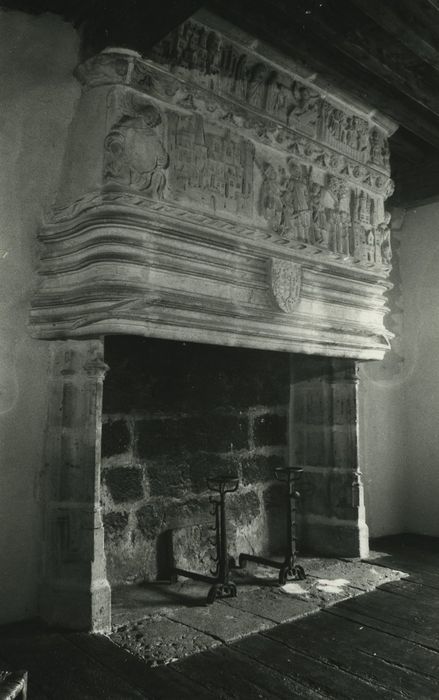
<point x="390" y="16"/>
<point x="271" y="24"/>
<point x="340" y="25"/>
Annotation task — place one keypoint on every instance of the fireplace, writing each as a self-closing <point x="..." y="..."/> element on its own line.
<point x="221" y="200"/>
<point x="175" y="414"/>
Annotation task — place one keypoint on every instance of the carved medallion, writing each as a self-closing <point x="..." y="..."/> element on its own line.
<point x="286" y="283"/>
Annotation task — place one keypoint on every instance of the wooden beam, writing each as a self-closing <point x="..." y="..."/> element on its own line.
<point x="269" y="23"/>
<point x="390" y="16"/>
<point x="340" y="25"/>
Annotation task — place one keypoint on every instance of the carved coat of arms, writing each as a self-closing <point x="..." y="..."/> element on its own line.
<point x="286" y="283"/>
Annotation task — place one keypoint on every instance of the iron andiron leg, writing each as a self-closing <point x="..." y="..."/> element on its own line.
<point x="289" y="569"/>
<point x="222" y="586"/>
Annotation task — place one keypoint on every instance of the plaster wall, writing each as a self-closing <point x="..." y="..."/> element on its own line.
<point x="38" y="94"/>
<point x="419" y="267"/>
<point x="382" y="415"/>
<point x="383" y="448"/>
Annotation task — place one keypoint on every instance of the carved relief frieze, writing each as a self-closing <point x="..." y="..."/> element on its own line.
<point x="337" y="154"/>
<point x="206" y="58"/>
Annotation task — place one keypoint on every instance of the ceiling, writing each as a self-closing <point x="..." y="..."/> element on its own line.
<point x="384" y="52"/>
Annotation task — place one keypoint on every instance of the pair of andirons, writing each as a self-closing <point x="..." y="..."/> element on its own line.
<point x="221" y="584"/>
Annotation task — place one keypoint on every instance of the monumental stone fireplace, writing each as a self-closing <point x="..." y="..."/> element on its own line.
<point x="219" y="201"/>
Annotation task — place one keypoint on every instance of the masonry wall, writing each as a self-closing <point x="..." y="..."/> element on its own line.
<point x="38" y="93"/>
<point x="176" y="413"/>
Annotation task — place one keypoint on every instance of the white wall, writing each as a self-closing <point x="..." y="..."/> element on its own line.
<point x="420" y="275"/>
<point x="383" y="448"/>
<point x="37" y="97"/>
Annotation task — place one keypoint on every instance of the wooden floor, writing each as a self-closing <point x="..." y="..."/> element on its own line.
<point x="382" y="645"/>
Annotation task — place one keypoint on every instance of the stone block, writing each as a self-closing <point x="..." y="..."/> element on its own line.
<point x="192" y="548"/>
<point x="115" y="438"/>
<point x="260" y="468"/>
<point x="179" y="514"/>
<point x="115" y="524"/>
<point x="345" y="446"/>
<point x="270" y="429"/>
<point x="328" y="494"/>
<point x="158" y="437"/>
<point x="124" y="483"/>
<point x="204" y="465"/>
<point x="242" y="508"/>
<point x="150" y="518"/>
<point x="212" y="432"/>
<point x="217" y="432"/>
<point x="159" y="640"/>
<point x="221" y="621"/>
<point x="169" y="478"/>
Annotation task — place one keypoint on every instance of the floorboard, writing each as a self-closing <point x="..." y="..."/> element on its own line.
<point x="382" y="645"/>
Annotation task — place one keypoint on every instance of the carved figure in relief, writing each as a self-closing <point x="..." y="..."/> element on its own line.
<point x="303" y="110"/>
<point x="319" y="223"/>
<point x="134" y="154"/>
<point x="384" y="233"/>
<point x="270" y="204"/>
<point x="277" y="98"/>
<point x="256" y="86"/>
<point x="296" y="217"/>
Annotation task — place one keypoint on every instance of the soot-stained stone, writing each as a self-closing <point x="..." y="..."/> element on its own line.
<point x="115" y="523"/>
<point x="124" y="483"/>
<point x="242" y="508"/>
<point x="150" y="518"/>
<point x="115" y="438"/>
<point x="259" y="468"/>
<point x="270" y="429"/>
<point x="168" y="478"/>
<point x="204" y="465"/>
<point x="209" y="432"/>
<point x="184" y="514"/>
<point x="158" y="437"/>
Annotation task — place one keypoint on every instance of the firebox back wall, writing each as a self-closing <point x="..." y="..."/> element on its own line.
<point x="173" y="414"/>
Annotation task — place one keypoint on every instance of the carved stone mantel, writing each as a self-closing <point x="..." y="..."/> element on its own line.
<point x="205" y="187"/>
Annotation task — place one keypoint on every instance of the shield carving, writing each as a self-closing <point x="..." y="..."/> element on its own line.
<point x="286" y="283"/>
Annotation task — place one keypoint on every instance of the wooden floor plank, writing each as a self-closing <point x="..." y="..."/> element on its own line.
<point x="54" y="663"/>
<point x="316" y="672"/>
<point x="156" y="683"/>
<point x="416" y="618"/>
<point x="229" y="677"/>
<point x="373" y="659"/>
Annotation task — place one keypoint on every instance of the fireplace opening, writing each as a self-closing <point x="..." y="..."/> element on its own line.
<point x="175" y="413"/>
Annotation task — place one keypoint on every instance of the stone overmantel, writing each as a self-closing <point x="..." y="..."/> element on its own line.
<point x="210" y="194"/>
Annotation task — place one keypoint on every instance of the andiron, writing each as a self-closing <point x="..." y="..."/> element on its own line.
<point x="222" y="586"/>
<point x="289" y="569"/>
